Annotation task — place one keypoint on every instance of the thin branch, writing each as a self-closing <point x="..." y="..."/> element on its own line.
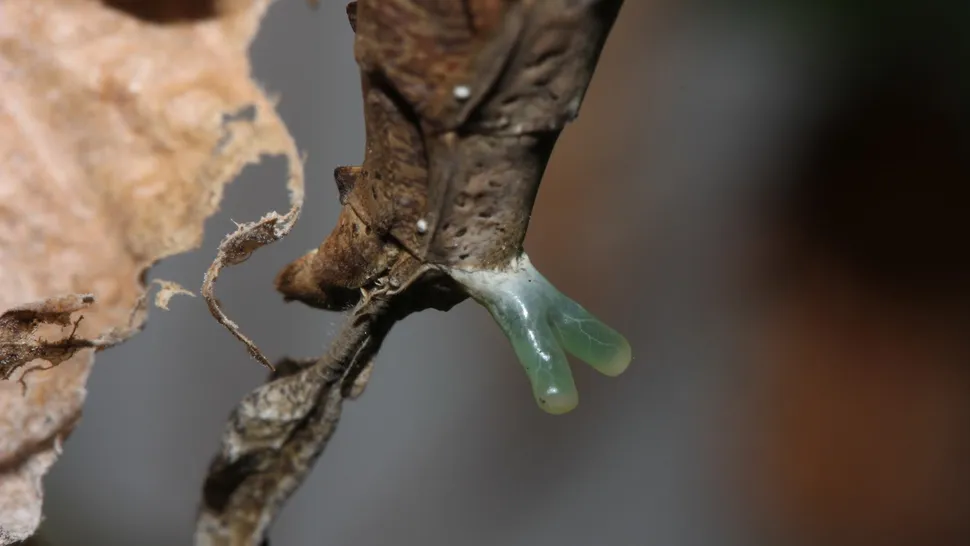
<point x="238" y="246"/>
<point x="277" y="432"/>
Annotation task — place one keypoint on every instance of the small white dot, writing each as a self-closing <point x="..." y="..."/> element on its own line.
<point x="572" y="109"/>
<point x="462" y="92"/>
<point x="422" y="225"/>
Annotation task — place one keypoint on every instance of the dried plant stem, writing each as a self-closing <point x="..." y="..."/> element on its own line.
<point x="277" y="432"/>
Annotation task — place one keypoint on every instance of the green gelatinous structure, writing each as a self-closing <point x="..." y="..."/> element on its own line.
<point x="524" y="319"/>
<point x="541" y="322"/>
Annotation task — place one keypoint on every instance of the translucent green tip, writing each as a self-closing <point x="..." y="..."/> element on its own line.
<point x="540" y="322"/>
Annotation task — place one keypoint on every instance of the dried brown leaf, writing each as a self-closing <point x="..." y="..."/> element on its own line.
<point x="119" y="127"/>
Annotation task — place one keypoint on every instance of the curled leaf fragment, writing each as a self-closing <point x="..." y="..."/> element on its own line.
<point x="168" y="290"/>
<point x="239" y="245"/>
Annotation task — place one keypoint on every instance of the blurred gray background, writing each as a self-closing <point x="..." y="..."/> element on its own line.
<point x="642" y="217"/>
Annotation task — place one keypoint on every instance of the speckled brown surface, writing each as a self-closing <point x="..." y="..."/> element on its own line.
<point x="463" y="104"/>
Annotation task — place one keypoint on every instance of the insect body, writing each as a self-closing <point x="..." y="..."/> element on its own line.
<point x="463" y="106"/>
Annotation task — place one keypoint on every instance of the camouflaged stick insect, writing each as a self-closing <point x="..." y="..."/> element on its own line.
<point x="463" y="104"/>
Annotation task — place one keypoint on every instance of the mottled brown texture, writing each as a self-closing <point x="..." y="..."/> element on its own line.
<point x="118" y="131"/>
<point x="345" y="177"/>
<point x="277" y="432"/>
<point x="20" y="343"/>
<point x="463" y="104"/>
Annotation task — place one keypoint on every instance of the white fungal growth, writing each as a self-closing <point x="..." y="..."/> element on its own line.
<point x="462" y="92"/>
<point x="422" y="226"/>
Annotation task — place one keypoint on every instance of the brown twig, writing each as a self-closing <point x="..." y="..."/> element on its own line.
<point x="277" y="431"/>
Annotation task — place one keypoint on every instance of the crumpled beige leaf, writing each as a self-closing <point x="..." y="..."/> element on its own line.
<point x="117" y="135"/>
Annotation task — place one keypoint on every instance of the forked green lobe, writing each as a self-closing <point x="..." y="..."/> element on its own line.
<point x="540" y="321"/>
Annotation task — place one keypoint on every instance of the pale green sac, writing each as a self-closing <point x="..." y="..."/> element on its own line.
<point x="541" y="322"/>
